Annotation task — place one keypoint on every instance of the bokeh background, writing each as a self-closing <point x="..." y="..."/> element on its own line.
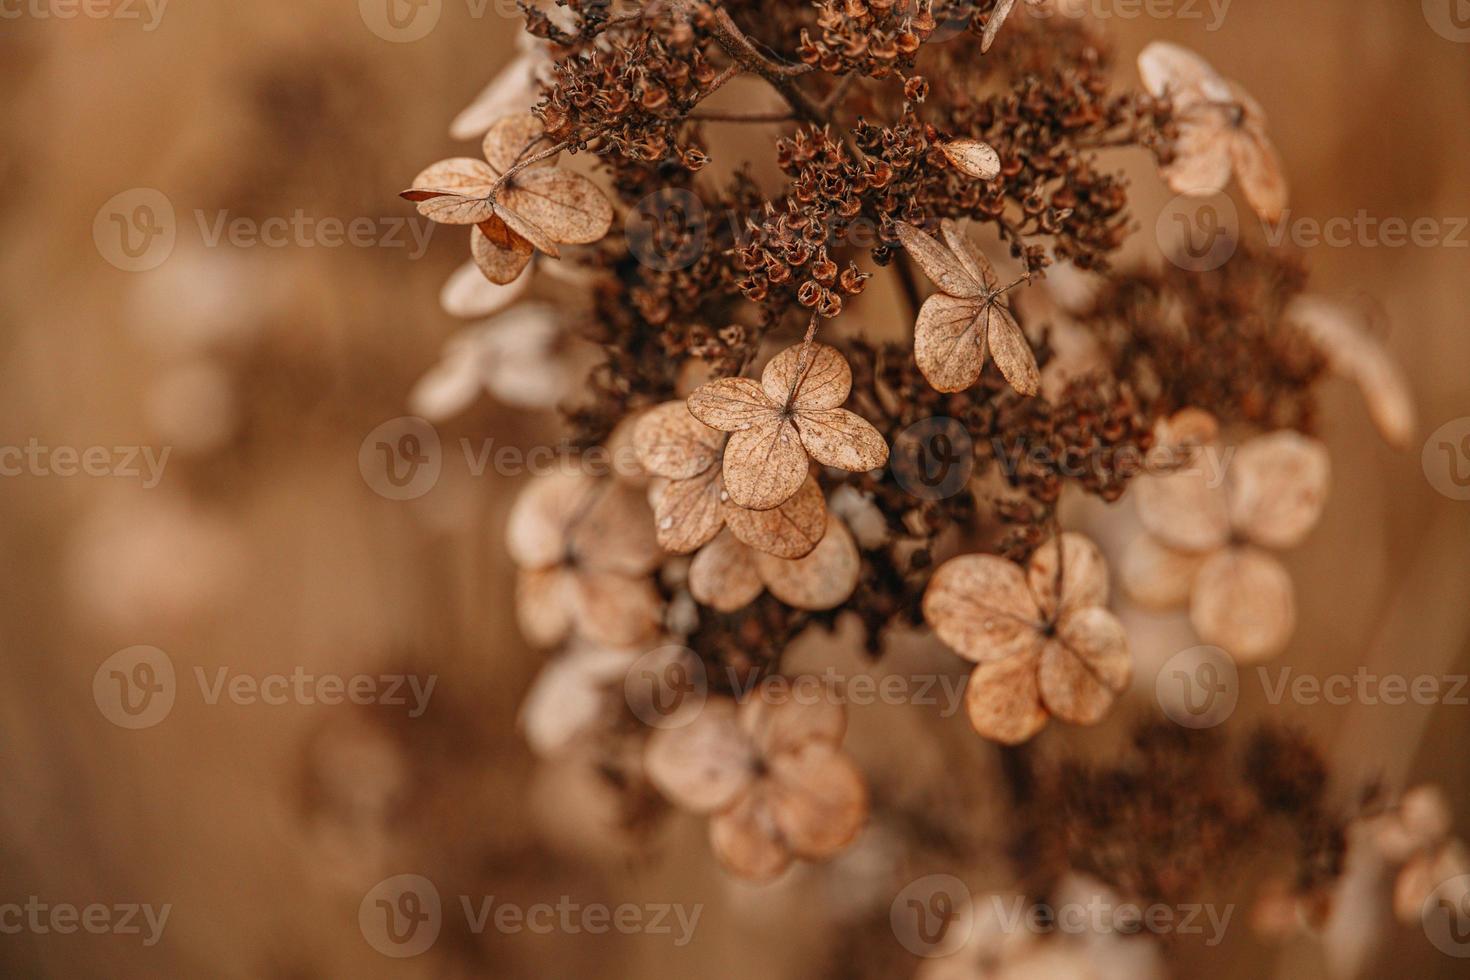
<point x="262" y="549"/>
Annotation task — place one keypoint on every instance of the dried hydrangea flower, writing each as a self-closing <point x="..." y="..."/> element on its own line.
<point x="690" y="502"/>
<point x="585" y="547"/>
<point x="789" y="418"/>
<point x="518" y="201"/>
<point x="1221" y="129"/>
<point x="574" y="694"/>
<point x="728" y="575"/>
<point x="1354" y="353"/>
<point x="1415" y="836"/>
<point x="1207" y="534"/>
<point x="968" y="318"/>
<point x="772" y="773"/>
<point x="512" y="356"/>
<point x="1043" y="641"/>
<point x="972" y="157"/>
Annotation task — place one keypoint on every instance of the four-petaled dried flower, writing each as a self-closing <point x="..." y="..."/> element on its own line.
<point x="1208" y="524"/>
<point x="728" y="575"/>
<point x="1221" y="129"/>
<point x="968" y="318"/>
<point x="689" y="499"/>
<point x="517" y="208"/>
<point x="585" y="547"/>
<point x="1043" y="641"/>
<point x="772" y="773"/>
<point x="512" y="356"/>
<point x="573" y="696"/>
<point x="1415" y="836"/>
<point x="779" y="424"/>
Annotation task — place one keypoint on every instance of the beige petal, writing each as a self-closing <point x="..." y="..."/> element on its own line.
<point x="468" y="294"/>
<point x="448" y="387"/>
<point x="1243" y="601"/>
<point x="827" y="383"/>
<point x="545" y="605"/>
<point x="823" y="579"/>
<point x="723" y="575"/>
<point x="1176" y="73"/>
<point x="454" y="192"/>
<point x="1011" y="350"/>
<point x="818" y="799"/>
<point x="1184" y="509"/>
<point x="1259" y="171"/>
<point x="704" y="765"/>
<point x="500" y="265"/>
<point x="731" y="404"/>
<point x="617" y="611"/>
<point x="976" y="264"/>
<point x="566" y="205"/>
<point x="942" y="266"/>
<point x="1386" y="393"/>
<point x="1278" y="488"/>
<point x="972" y="157"/>
<point x="1003" y="700"/>
<point x="1202" y="155"/>
<point x="998" y="15"/>
<point x="1155" y="576"/>
<point x="787" y="716"/>
<point x="672" y="443"/>
<point x="765" y="465"/>
<point x="614" y="532"/>
<point x="511" y="90"/>
<point x="747" y="841"/>
<point x="505" y="227"/>
<point x="981" y="607"/>
<point x="950" y="341"/>
<point x="570" y="696"/>
<point x="689" y="513"/>
<point x="536" y="533"/>
<point x="514" y="137"/>
<point x="1440" y="874"/>
<point x="1084" y="575"/>
<point x="1086" y="667"/>
<point x="837" y="437"/>
<point x="791" y="530"/>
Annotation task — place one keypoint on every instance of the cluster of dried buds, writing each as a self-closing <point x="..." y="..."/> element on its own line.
<point x="760" y="499"/>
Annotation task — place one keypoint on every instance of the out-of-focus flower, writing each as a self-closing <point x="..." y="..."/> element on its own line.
<point x="728" y="575"/>
<point x="513" y="356"/>
<point x="771" y="772"/>
<point x="572" y="696"/>
<point x="1043" y="641"/>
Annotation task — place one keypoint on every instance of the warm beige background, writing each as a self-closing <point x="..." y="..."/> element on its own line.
<point x="274" y="554"/>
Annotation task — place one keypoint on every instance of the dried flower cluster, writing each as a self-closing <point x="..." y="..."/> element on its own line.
<point x="792" y="469"/>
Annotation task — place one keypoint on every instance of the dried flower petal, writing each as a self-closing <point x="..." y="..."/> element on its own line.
<point x="940" y="264"/>
<point x="747" y="841"/>
<point x="785" y="724"/>
<point x="723" y="575"/>
<point x="1352" y="351"/>
<point x="499" y="264"/>
<point x="1003" y="699"/>
<point x="512" y="138"/>
<point x="672" y="443"/>
<point x="1278" y="488"/>
<point x="972" y="157"/>
<point x="818" y="800"/>
<point x="568" y="207"/>
<point x="1086" y="667"/>
<point x="470" y="294"/>
<point x="827" y="381"/>
<point x="789" y="531"/>
<point x="1243" y="601"/>
<point x="981" y="607"/>
<point x="1084" y="575"/>
<point x="455" y="191"/>
<point x="704" y="765"/>
<point x="1156" y="576"/>
<point x="823" y="579"/>
<point x="765" y="464"/>
<point x="688" y="513"/>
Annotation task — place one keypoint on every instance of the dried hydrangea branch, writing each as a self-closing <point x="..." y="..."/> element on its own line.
<point x="742" y="49"/>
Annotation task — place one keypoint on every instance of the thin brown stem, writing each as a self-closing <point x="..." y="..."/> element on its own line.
<point x="803" y="361"/>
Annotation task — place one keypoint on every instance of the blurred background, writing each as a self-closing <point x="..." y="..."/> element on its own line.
<point x="257" y="547"/>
